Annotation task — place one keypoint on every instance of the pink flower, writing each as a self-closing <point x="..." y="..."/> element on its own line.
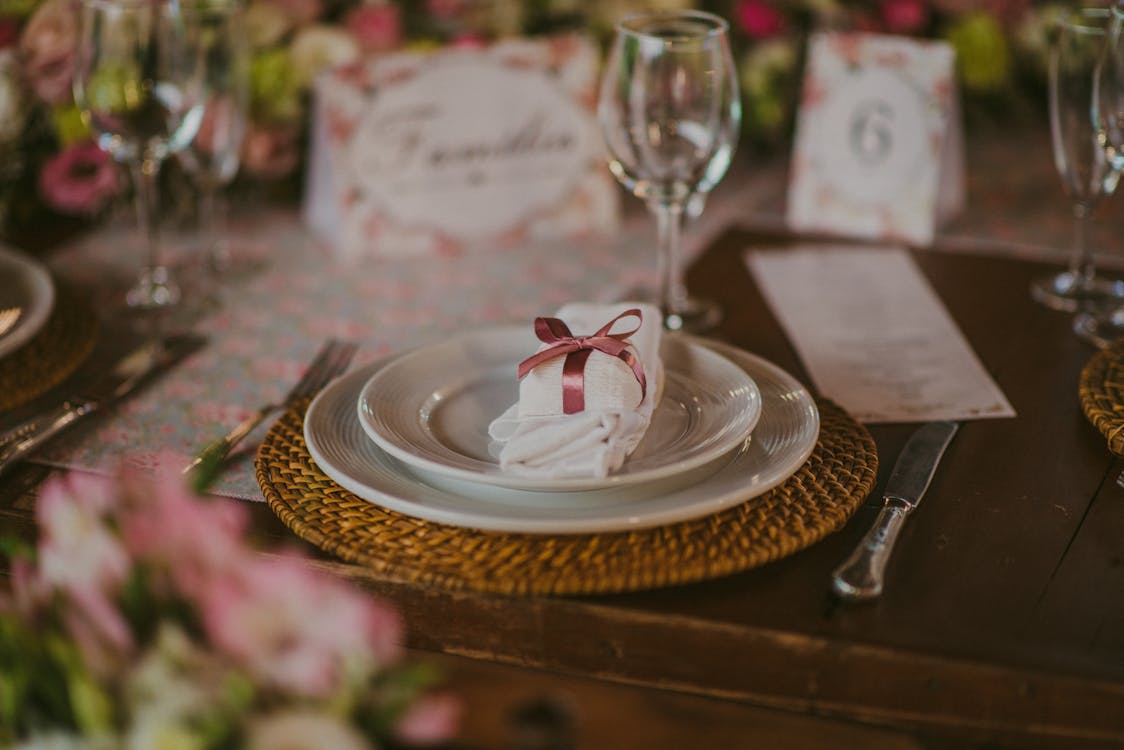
<point x="431" y="720"/>
<point x="377" y="28"/>
<point x="81" y="557"/>
<point x="270" y="152"/>
<point x="300" y="12"/>
<point x="294" y="627"/>
<point x="904" y="16"/>
<point x="192" y="540"/>
<point x="468" y="40"/>
<point x="80" y="180"/>
<point x="758" y="19"/>
<point x="47" y="50"/>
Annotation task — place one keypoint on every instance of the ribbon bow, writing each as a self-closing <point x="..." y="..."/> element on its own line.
<point x="560" y="341"/>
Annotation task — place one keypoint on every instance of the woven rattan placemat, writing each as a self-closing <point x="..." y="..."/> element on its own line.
<point x="1102" y="394"/>
<point x="814" y="502"/>
<point x="56" y="351"/>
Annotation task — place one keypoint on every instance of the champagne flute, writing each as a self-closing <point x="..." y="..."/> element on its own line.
<point x="1088" y="173"/>
<point x="213" y="155"/>
<point x="138" y="83"/>
<point x="670" y="113"/>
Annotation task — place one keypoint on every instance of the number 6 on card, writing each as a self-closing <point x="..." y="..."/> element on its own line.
<point x="878" y="151"/>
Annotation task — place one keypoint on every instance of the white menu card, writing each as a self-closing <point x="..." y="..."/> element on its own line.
<point x="873" y="334"/>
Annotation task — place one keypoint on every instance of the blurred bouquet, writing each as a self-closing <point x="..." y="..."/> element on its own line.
<point x="47" y="157"/>
<point x="146" y="621"/>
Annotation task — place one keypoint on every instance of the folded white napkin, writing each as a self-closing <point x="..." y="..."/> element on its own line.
<point x="539" y="440"/>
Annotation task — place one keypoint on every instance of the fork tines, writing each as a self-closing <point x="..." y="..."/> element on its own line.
<point x="332" y="359"/>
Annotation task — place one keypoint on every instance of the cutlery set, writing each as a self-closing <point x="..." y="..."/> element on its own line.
<point x="859" y="577"/>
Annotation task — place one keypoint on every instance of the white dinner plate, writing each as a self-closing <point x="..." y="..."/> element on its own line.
<point x="783" y="439"/>
<point x="431" y="408"/>
<point x="27" y="287"/>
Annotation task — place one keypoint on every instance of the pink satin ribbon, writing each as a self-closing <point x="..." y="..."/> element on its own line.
<point x="560" y="341"/>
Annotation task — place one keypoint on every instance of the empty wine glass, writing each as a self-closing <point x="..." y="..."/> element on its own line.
<point x="670" y="113"/>
<point x="1088" y="174"/>
<point x="138" y="83"/>
<point x="1104" y="326"/>
<point x="212" y="157"/>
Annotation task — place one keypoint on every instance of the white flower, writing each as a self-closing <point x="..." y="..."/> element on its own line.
<point x="13" y="109"/>
<point x="303" y="729"/>
<point x="318" y="48"/>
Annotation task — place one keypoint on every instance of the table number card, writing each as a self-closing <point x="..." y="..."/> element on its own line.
<point x="873" y="334"/>
<point x="878" y="150"/>
<point x="431" y="153"/>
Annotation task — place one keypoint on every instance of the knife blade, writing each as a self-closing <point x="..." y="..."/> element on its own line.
<point x="862" y="574"/>
<point x="129" y="372"/>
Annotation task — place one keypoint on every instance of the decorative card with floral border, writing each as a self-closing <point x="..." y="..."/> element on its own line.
<point x="878" y="152"/>
<point x="441" y="152"/>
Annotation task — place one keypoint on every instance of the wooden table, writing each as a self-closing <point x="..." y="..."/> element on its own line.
<point x="1003" y="617"/>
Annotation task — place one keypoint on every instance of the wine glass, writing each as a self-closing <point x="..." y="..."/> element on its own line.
<point x="1104" y="326"/>
<point x="139" y="85"/>
<point x="212" y="157"/>
<point x="670" y="113"/>
<point x="1087" y="172"/>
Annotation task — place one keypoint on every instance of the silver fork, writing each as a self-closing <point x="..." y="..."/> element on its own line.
<point x="332" y="359"/>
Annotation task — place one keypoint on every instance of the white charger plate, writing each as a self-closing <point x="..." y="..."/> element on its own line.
<point x="782" y="440"/>
<point x="430" y="409"/>
<point x="27" y="286"/>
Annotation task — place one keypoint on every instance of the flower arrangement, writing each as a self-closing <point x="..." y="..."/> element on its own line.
<point x="47" y="157"/>
<point x="146" y="621"/>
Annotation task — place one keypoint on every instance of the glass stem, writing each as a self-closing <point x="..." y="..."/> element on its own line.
<point x="154" y="288"/>
<point x="1082" y="263"/>
<point x="669" y="222"/>
<point x="212" y="216"/>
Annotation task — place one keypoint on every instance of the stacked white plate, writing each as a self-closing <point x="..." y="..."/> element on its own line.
<point x="411" y="434"/>
<point x="27" y="294"/>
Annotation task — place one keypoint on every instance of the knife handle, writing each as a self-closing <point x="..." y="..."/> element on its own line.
<point x="27" y="436"/>
<point x="861" y="575"/>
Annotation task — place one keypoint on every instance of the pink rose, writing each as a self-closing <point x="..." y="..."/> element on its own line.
<point x="270" y="152"/>
<point x="377" y="28"/>
<point x="904" y="16"/>
<point x="758" y="18"/>
<point x="80" y="180"/>
<point x="47" y="50"/>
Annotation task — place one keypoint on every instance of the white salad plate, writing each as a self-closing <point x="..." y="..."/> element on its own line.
<point x="430" y="409"/>
<point x="26" y="287"/>
<point x="780" y="443"/>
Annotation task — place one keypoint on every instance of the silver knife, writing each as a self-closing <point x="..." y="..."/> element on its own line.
<point x="129" y="372"/>
<point x="860" y="576"/>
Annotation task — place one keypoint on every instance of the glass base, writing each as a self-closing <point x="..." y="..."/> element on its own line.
<point x="153" y="289"/>
<point x="697" y="316"/>
<point x="1065" y="292"/>
<point x="1100" y="329"/>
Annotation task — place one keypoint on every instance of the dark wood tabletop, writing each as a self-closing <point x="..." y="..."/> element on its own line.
<point x="1002" y="622"/>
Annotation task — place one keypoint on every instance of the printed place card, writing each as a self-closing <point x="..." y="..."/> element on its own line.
<point x="430" y="153"/>
<point x="873" y="334"/>
<point x="878" y="151"/>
